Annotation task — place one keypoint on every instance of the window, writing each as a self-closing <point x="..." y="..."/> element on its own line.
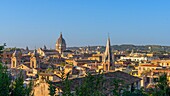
<point x="47" y="77"/>
<point x="33" y="64"/>
<point x="13" y="63"/>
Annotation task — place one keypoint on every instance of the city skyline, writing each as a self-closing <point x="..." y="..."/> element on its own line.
<point x="38" y="23"/>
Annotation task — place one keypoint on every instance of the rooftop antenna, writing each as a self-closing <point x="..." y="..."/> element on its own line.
<point x="108" y="35"/>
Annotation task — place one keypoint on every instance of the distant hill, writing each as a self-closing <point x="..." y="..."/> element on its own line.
<point x="129" y="47"/>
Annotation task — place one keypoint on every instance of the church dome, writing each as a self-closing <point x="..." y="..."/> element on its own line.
<point x="61" y="40"/>
<point x="60" y="44"/>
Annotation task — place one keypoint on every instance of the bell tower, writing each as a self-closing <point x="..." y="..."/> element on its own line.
<point x="108" y="63"/>
<point x="35" y="60"/>
<point x="15" y="59"/>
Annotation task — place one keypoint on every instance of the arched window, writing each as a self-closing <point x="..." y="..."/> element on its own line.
<point x="32" y="64"/>
<point x="13" y="64"/>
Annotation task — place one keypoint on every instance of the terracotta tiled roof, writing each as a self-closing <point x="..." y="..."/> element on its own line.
<point x="127" y="78"/>
<point x="150" y="65"/>
<point x="86" y="61"/>
<point x="27" y="64"/>
<point x="118" y="75"/>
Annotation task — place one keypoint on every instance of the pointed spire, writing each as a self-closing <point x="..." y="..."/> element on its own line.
<point x="108" y="41"/>
<point x="61" y="36"/>
<point x="108" y="35"/>
<point x="108" y="59"/>
<point x="15" y="53"/>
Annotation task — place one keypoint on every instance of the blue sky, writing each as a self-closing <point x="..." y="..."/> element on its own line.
<point x="35" y="23"/>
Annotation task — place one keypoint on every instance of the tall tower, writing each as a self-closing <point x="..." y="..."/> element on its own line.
<point x="15" y="59"/>
<point x="108" y="63"/>
<point x="35" y="60"/>
<point x="61" y="44"/>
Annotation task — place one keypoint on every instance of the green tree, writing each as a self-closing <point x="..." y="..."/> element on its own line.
<point x="5" y="81"/>
<point x="1" y="48"/>
<point x="91" y="86"/>
<point x="52" y="89"/>
<point x="66" y="85"/>
<point x="18" y="86"/>
<point x="1" y="51"/>
<point x="117" y="87"/>
<point x="7" y="88"/>
<point x="162" y="87"/>
<point x="137" y="92"/>
<point x="29" y="88"/>
<point x="4" y="78"/>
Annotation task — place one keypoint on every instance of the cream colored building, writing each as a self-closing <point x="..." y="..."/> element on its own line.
<point x="163" y="63"/>
<point x="143" y="68"/>
<point x="97" y="57"/>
